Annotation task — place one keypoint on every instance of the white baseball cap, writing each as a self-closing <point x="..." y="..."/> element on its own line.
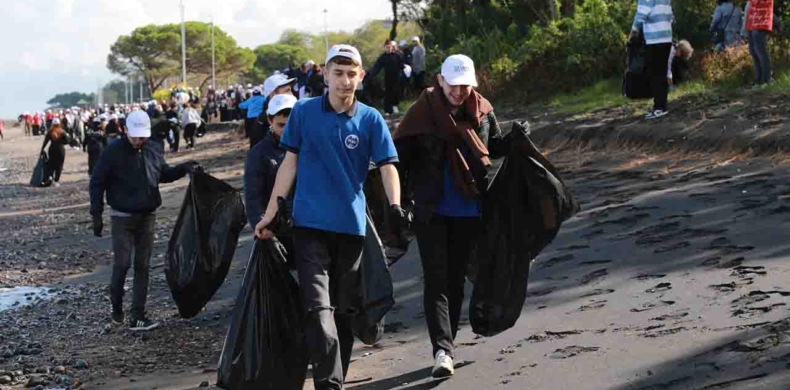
<point x="139" y="124"/>
<point x="274" y="82"/>
<point x="280" y="102"/>
<point x="55" y="121"/>
<point x="112" y="117"/>
<point x="256" y="90"/>
<point x="459" y="69"/>
<point x="346" y="51"/>
<point x="415" y="39"/>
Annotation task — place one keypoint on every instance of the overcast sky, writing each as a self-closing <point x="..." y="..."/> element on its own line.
<point x="53" y="46"/>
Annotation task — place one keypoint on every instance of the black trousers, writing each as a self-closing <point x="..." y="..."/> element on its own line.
<point x="658" y="62"/>
<point x="447" y="245"/>
<point x="93" y="158"/>
<point x="189" y="135"/>
<point x="176" y="140"/>
<point x="391" y="94"/>
<point x="328" y="265"/>
<point x="134" y="234"/>
<point x="57" y="157"/>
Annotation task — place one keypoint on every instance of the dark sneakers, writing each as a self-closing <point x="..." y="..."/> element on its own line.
<point x="142" y="324"/>
<point x="117" y="316"/>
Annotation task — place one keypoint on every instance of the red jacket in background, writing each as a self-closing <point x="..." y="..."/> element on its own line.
<point x="760" y="15"/>
<point x="37" y="120"/>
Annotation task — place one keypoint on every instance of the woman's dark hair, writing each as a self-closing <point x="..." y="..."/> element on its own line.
<point x="112" y="128"/>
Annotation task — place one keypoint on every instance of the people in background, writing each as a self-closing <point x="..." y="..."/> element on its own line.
<point x="391" y="62"/>
<point x="418" y="64"/>
<point x="726" y="24"/>
<point x="653" y="21"/>
<point x="759" y="22"/>
<point x="678" y="65"/>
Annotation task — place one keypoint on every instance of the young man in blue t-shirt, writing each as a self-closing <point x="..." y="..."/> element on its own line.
<point x="331" y="141"/>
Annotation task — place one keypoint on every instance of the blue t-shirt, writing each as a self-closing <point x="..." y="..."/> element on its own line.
<point x="253" y="105"/>
<point x="334" y="153"/>
<point x="453" y="204"/>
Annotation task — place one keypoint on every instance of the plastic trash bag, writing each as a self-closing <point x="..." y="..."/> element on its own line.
<point x="523" y="209"/>
<point x="376" y="292"/>
<point x="265" y="348"/>
<point x="40" y="177"/>
<point x="203" y="242"/>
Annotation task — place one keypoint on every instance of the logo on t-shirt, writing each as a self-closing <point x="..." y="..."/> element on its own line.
<point x="352" y="141"/>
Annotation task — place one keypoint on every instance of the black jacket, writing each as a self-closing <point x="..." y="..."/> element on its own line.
<point x="422" y="163"/>
<point x="130" y="177"/>
<point x="260" y="172"/>
<point x="391" y="63"/>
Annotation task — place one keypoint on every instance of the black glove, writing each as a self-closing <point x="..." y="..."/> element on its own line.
<point x="400" y="221"/>
<point x="98" y="225"/>
<point x="192" y="167"/>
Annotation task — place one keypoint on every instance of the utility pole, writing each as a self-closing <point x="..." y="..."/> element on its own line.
<point x="140" y="81"/>
<point x="183" y="46"/>
<point x="213" y="60"/>
<point x="126" y="91"/>
<point x="326" y="31"/>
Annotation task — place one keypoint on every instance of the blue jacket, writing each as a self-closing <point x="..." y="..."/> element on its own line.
<point x="654" y="18"/>
<point x="130" y="177"/>
<point x="260" y="172"/>
<point x="253" y="105"/>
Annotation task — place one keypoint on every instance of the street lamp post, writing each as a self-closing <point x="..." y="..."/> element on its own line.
<point x="183" y="46"/>
<point x="326" y="31"/>
<point x="213" y="61"/>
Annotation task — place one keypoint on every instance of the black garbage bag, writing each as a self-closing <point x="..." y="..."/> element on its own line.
<point x="265" y="348"/>
<point x="203" y="242"/>
<point x="376" y="292"/>
<point x="523" y="209"/>
<point x="636" y="78"/>
<point x="40" y="177"/>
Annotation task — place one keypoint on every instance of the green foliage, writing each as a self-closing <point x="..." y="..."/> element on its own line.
<point x="71" y="99"/>
<point x="154" y="51"/>
<point x="269" y="58"/>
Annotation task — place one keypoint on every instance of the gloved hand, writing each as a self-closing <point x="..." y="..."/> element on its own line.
<point x="98" y="225"/>
<point x="401" y="221"/>
<point x="192" y="167"/>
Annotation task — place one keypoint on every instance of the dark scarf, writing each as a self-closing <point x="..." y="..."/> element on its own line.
<point x="431" y="114"/>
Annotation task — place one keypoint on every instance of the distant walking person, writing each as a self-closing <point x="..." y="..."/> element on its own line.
<point x="418" y="64"/>
<point x="129" y="172"/>
<point x="392" y="63"/>
<point x="759" y="22"/>
<point x="726" y="25"/>
<point x="57" y="138"/>
<point x="191" y="120"/>
<point x="653" y="21"/>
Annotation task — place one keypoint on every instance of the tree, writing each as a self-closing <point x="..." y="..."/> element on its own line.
<point x="277" y="56"/>
<point x="230" y="59"/>
<point x="394" y="29"/>
<point x="150" y="51"/>
<point x="71" y="99"/>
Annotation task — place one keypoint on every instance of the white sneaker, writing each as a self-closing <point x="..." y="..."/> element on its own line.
<point x="443" y="368"/>
<point x="656" y="114"/>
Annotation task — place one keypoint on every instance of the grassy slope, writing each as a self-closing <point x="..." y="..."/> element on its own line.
<point x="607" y="94"/>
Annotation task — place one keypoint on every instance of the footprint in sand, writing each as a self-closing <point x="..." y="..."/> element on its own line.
<point x="673" y="247"/>
<point x="556" y="260"/>
<point x="732" y="263"/>
<point x="594" y="277"/>
<point x="574" y="350"/>
<point x="595" y="262"/>
<point x="730" y="287"/>
<point x="645" y="277"/>
<point x="650" y="306"/>
<point x="593" y="305"/>
<point x="674" y="316"/>
<point x="745" y="272"/>
<point x="597" y="292"/>
<point x="661" y="287"/>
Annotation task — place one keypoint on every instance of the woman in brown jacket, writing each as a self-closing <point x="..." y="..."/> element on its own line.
<point x="57" y="138"/>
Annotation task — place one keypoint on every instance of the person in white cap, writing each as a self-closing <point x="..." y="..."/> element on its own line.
<point x="453" y="124"/>
<point x="129" y="172"/>
<point x="418" y="64"/>
<point x="275" y="85"/>
<point x="263" y="161"/>
<point x="331" y="141"/>
<point x="392" y="63"/>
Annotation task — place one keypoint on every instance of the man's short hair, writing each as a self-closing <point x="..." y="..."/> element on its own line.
<point x="343" y="61"/>
<point x="286" y="113"/>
